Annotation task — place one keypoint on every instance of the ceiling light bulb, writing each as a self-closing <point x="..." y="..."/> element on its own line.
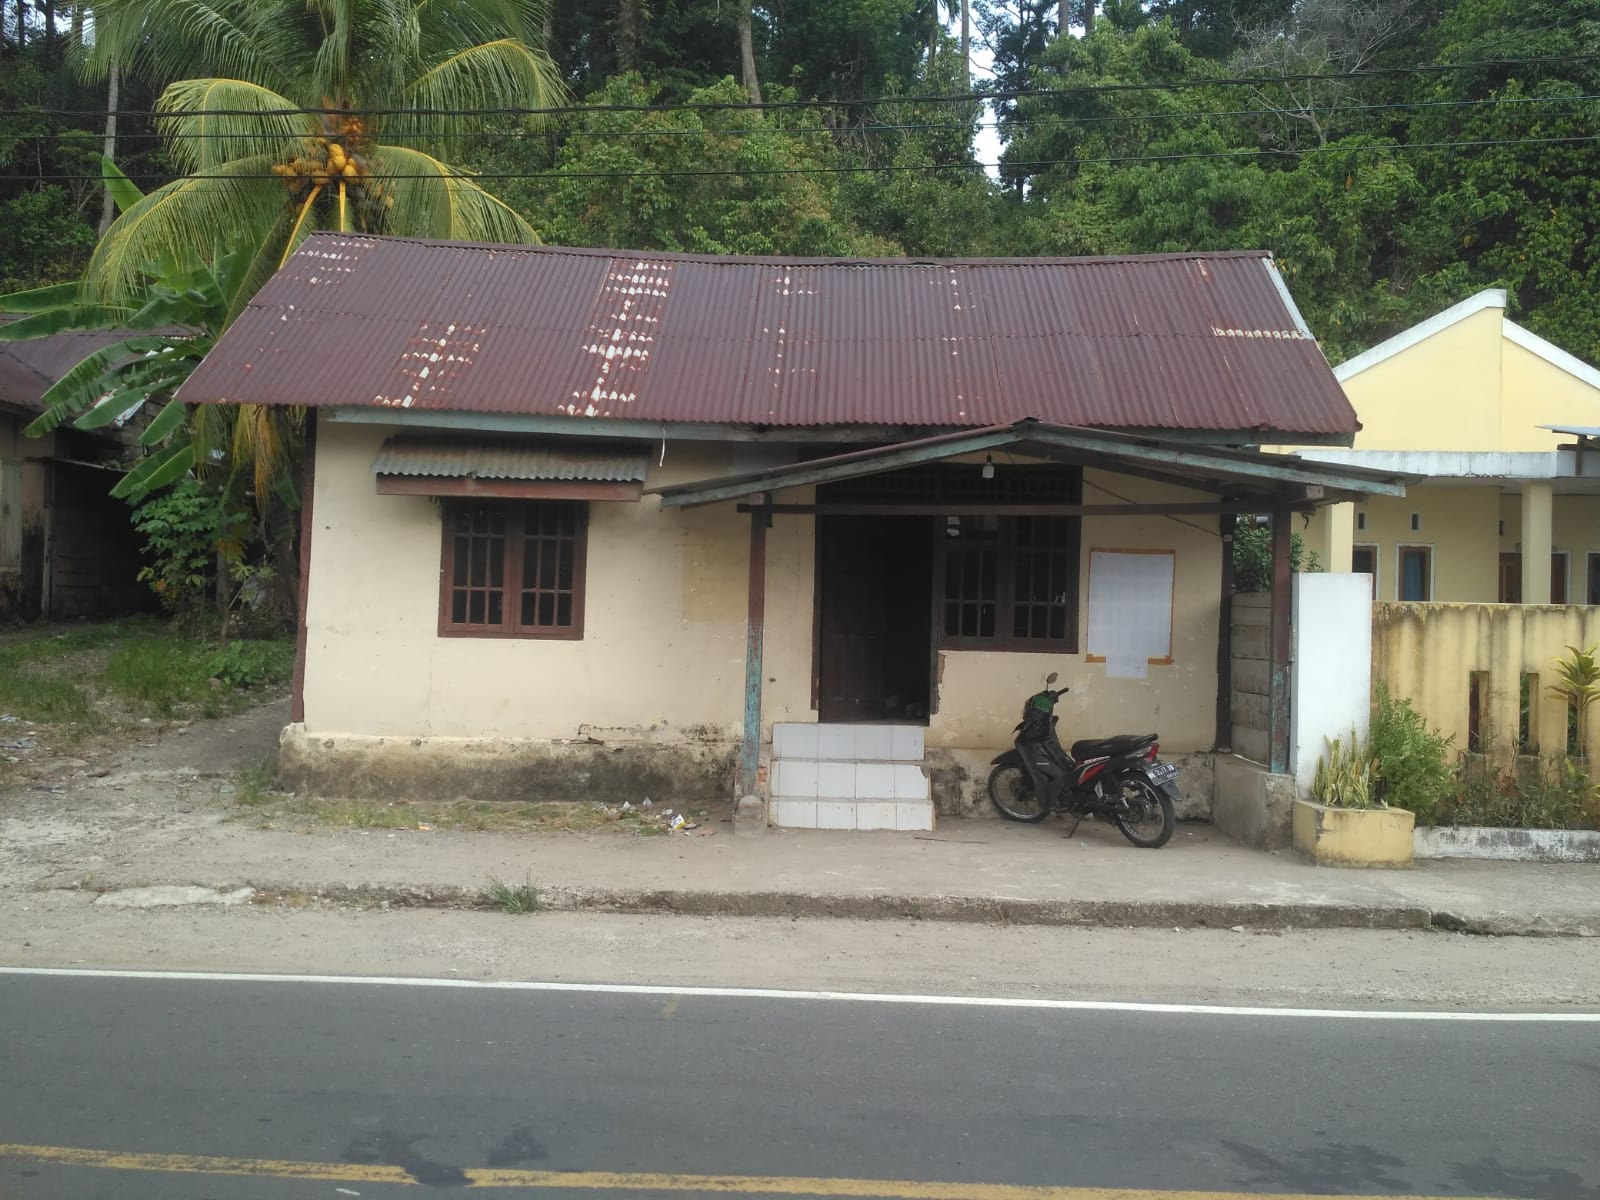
<point x="988" y="466"/>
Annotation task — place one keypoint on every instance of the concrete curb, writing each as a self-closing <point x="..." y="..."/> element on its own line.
<point x="1118" y="914"/>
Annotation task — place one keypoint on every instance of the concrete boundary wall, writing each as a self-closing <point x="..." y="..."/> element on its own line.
<point x="1462" y="666"/>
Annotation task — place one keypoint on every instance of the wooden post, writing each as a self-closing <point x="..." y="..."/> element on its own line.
<point x="755" y="631"/>
<point x="1224" y="737"/>
<point x="1282" y="599"/>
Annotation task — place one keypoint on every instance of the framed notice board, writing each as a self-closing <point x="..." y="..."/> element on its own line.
<point x="1130" y="609"/>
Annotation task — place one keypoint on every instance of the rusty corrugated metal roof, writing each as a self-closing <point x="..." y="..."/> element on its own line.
<point x="1181" y="341"/>
<point x="31" y="367"/>
<point x="505" y="459"/>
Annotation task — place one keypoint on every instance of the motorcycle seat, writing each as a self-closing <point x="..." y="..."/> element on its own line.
<point x="1119" y="746"/>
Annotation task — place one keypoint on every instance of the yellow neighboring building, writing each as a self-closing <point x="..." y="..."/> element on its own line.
<point x="1503" y="430"/>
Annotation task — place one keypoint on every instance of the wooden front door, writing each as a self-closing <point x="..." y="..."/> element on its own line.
<point x="874" y="629"/>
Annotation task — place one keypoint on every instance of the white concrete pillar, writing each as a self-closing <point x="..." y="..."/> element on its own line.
<point x="1341" y="539"/>
<point x="1537" y="505"/>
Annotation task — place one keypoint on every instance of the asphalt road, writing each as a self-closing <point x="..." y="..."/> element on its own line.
<point x="367" y="1090"/>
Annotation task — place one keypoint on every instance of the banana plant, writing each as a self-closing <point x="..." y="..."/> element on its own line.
<point x="172" y="321"/>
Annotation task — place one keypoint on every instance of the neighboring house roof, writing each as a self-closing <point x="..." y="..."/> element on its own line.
<point x="1203" y="342"/>
<point x="1488" y="298"/>
<point x="29" y="368"/>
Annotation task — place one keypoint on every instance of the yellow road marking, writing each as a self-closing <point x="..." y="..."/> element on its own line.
<point x="604" y="1181"/>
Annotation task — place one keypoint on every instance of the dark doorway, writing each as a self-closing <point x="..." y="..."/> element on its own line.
<point x="875" y="618"/>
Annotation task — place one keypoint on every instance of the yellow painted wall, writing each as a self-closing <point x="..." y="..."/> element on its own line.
<point x="981" y="694"/>
<point x="1459" y="523"/>
<point x="1539" y="393"/>
<point x="1441" y="394"/>
<point x="1428" y="652"/>
<point x="662" y="655"/>
<point x="1575" y="528"/>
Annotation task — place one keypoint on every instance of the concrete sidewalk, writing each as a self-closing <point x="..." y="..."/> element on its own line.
<point x="973" y="870"/>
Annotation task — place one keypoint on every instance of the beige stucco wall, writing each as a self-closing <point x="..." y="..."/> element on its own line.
<point x="662" y="657"/>
<point x="1428" y="652"/>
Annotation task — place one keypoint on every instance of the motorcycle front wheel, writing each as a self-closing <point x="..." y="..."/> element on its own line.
<point x="1013" y="795"/>
<point x="1143" y="813"/>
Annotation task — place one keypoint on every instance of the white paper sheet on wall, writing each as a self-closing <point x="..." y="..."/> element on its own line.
<point x="1130" y="609"/>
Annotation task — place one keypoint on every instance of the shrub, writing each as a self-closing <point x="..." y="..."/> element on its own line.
<point x="1412" y="760"/>
<point x="248" y="663"/>
<point x="1540" y="793"/>
<point x="1252" y="557"/>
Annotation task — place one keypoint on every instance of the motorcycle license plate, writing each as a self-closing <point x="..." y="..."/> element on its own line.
<point x="1162" y="773"/>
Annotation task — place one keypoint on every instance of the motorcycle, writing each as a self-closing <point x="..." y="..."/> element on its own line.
<point x="1119" y="778"/>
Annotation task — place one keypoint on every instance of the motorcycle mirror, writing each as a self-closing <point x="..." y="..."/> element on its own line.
<point x="1051" y="678"/>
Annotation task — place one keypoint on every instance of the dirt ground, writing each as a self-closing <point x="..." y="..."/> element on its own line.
<point x="63" y="816"/>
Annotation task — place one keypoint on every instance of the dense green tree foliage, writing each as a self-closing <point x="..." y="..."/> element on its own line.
<point x="1343" y="136"/>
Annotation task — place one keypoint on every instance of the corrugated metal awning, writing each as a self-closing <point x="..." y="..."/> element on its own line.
<point x="509" y="468"/>
<point x="1204" y="468"/>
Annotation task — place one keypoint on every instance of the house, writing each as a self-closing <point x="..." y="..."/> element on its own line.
<point x="1500" y="424"/>
<point x="67" y="549"/>
<point x="584" y="521"/>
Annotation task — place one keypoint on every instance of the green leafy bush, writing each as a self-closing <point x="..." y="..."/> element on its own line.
<point x="1413" y="765"/>
<point x="249" y="663"/>
<point x="1252" y="557"/>
<point x="184" y="528"/>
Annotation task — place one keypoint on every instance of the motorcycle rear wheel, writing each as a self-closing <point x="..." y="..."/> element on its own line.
<point x="1144" y="813"/>
<point x="1013" y="795"/>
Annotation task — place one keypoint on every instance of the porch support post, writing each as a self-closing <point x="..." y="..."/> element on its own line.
<point x="755" y="630"/>
<point x="1282" y="598"/>
<point x="1536" y="534"/>
<point x="1341" y="519"/>
<point x="1224" y="737"/>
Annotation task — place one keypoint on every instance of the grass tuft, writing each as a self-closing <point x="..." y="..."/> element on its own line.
<point x="514" y="898"/>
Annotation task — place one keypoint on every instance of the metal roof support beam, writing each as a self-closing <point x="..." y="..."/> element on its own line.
<point x="830" y="470"/>
<point x="968" y="509"/>
<point x="1271" y="468"/>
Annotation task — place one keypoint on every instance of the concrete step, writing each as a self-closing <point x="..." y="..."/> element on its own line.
<point x="802" y="812"/>
<point x="848" y="743"/>
<point x="829" y="780"/>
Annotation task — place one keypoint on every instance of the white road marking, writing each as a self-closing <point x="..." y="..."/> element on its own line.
<point x="737" y="993"/>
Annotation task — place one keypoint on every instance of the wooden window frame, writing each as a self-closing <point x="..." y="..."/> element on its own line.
<point x="517" y="512"/>
<point x="1006" y="551"/>
<point x="1400" y="571"/>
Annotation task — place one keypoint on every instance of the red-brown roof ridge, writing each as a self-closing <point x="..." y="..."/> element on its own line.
<point x="1204" y="341"/>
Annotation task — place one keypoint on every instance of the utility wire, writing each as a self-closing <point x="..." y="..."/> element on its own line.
<point x="1053" y="120"/>
<point x="725" y="173"/>
<point x="974" y="97"/>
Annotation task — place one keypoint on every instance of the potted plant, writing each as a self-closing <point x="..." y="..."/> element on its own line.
<point x="1344" y="824"/>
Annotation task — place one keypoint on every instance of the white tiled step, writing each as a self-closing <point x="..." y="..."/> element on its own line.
<point x="798" y="812"/>
<point x="848" y="743"/>
<point x="805" y="779"/>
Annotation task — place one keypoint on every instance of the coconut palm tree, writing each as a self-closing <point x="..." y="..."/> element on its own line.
<point x="291" y="115"/>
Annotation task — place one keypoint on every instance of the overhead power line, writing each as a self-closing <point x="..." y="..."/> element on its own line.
<point x="1251" y="152"/>
<point x="974" y="97"/>
<point x="875" y="128"/>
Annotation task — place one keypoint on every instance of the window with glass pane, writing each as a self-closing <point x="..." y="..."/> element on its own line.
<point x="1010" y="582"/>
<point x="1416" y="573"/>
<point x="514" y="568"/>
